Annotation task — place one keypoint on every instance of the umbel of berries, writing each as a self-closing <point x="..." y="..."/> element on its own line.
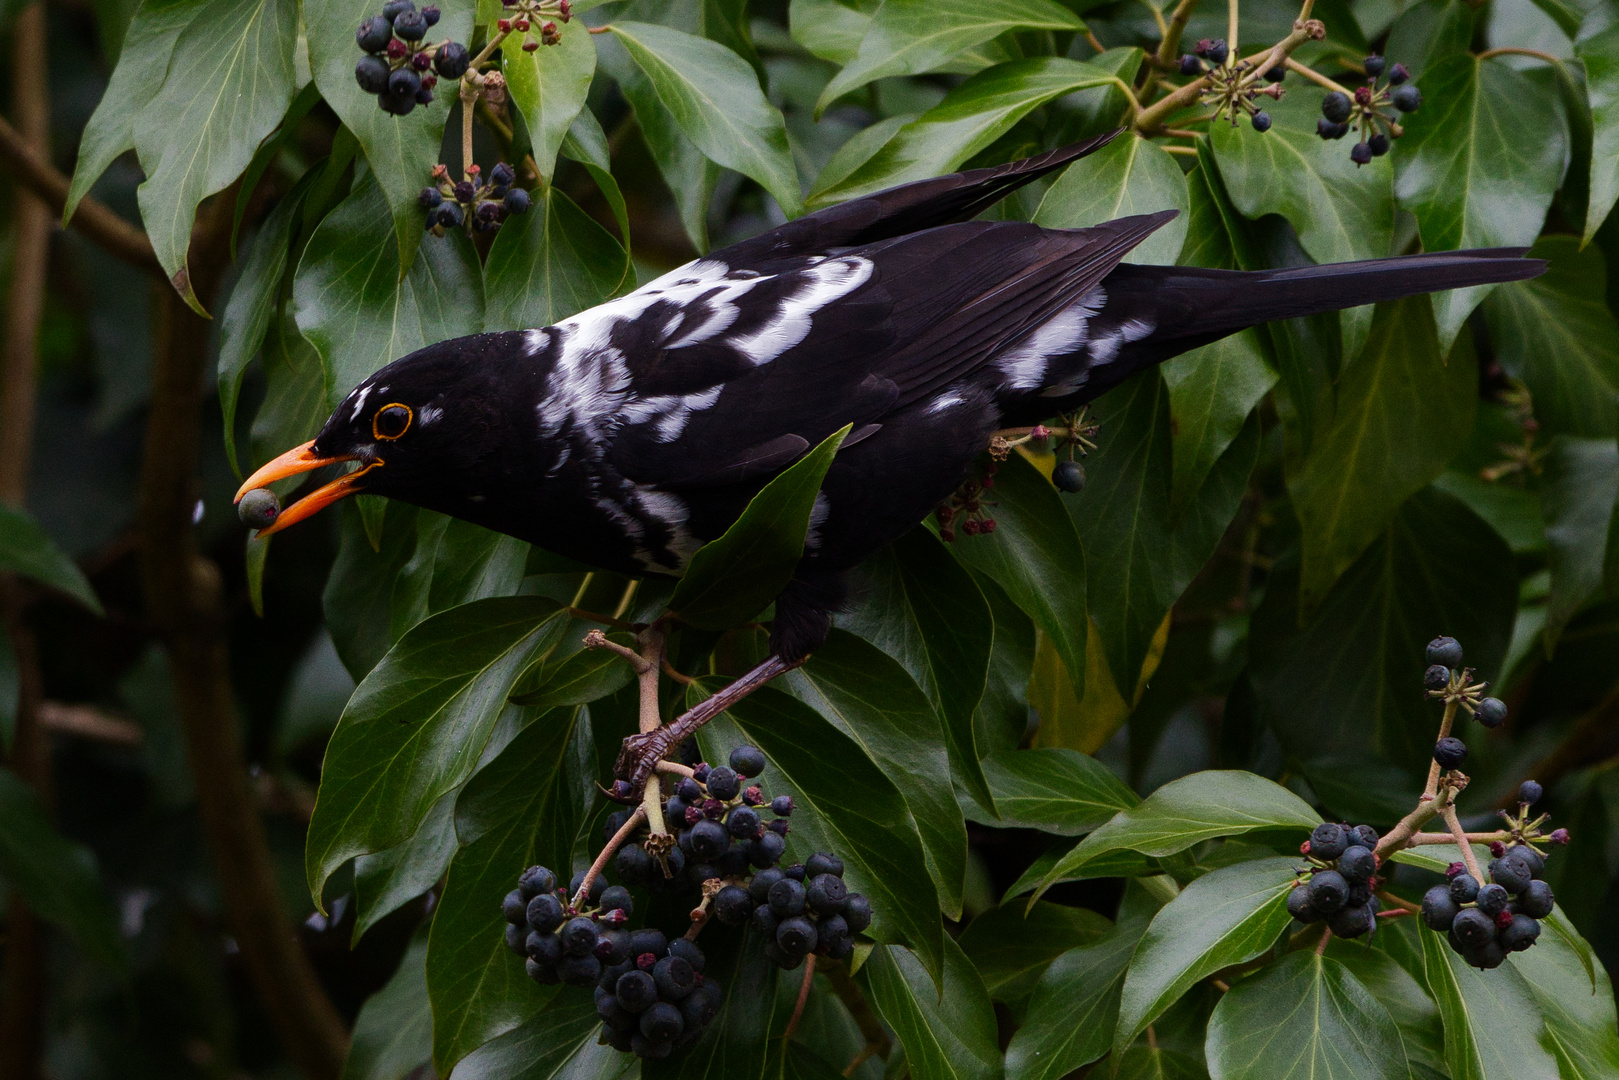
<point x="800" y="909"/>
<point x="399" y="66"/>
<point x="481" y="206"/>
<point x="1338" y="884"/>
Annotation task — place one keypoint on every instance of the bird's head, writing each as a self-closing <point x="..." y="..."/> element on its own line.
<point x="417" y="430"/>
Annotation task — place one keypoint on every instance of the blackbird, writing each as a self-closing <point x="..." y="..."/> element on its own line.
<point x="632" y="433"/>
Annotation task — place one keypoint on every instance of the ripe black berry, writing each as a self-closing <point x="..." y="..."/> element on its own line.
<point x="1492" y="899"/>
<point x="544" y="974"/>
<point x="578" y="937"/>
<point x="1511" y="873"/>
<point x="1519" y="934"/>
<point x="544" y="913"/>
<point x="1360" y="154"/>
<point x="1408" y="99"/>
<point x="1352" y="920"/>
<point x="1190" y="65"/>
<point x="259" y="508"/>
<point x="765" y="921"/>
<point x="1326" y="129"/>
<point x="1379" y="144"/>
<point x="702" y="1005"/>
<point x="857" y="913"/>
<point x="1464" y="888"/>
<point x="1374" y="66"/>
<point x="743" y="823"/>
<point x="1261" y="120"/>
<point x="709" y="839"/>
<point x="1364" y="835"/>
<point x="373" y="34"/>
<point x="1450" y="752"/>
<point x="747" y="760"/>
<point x="1217" y="52"/>
<point x="371" y="72"/>
<point x="675" y="978"/>
<point x="514" y="908"/>
<point x="634" y="865"/>
<point x="1530" y="857"/>
<point x="1328" y="841"/>
<point x="501" y="175"/>
<point x="1328" y="891"/>
<point x="732" y="905"/>
<point x="1530" y="792"/>
<point x="1491" y="712"/>
<point x="396" y="105"/>
<point x="1398" y="74"/>
<point x="1357" y="864"/>
<point x="597" y="887"/>
<point x="1068" y="476"/>
<point x="394" y="8"/>
<point x="451" y="60"/>
<point x="1473" y="928"/>
<point x="649" y="942"/>
<point x="1335" y="107"/>
<point x="431" y="14"/>
<point x="1536" y="901"/>
<point x="1487" y="956"/>
<point x="766" y="849"/>
<point x="543" y="948"/>
<point x="1446" y="651"/>
<point x="1298" y="905"/>
<point x="1437" y="677"/>
<point x="826" y="894"/>
<point x="616" y="897"/>
<point x="759" y="887"/>
<point x="722" y="781"/>
<point x="1276" y="74"/>
<point x="579" y="970"/>
<point x="1439" y="910"/>
<point x="787" y="897"/>
<point x="404" y="82"/>
<point x="662" y="1022"/>
<point x="636" y="991"/>
<point x="613" y="946"/>
<point x="796" y="936"/>
<point x="822" y="863"/>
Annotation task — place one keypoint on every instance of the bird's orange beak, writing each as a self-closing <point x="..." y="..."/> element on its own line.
<point x="302" y="459"/>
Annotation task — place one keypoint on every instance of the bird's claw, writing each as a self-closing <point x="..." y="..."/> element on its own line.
<point x="637" y="759"/>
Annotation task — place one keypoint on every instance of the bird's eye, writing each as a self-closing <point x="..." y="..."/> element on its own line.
<point x="391" y="421"/>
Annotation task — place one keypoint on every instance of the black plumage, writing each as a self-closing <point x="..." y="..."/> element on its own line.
<point x="632" y="433"/>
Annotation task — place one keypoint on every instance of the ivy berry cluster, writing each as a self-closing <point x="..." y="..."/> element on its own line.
<point x="1233" y="86"/>
<point x="1446" y="679"/>
<point x="397" y="68"/>
<point x="1483" y="922"/>
<point x="1343" y="112"/>
<point x="473" y="203"/>
<point x="966" y="507"/>
<point x="1337" y="887"/>
<point x="800" y="909"/>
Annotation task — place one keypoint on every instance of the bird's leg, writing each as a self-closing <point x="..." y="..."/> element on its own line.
<point x="639" y="757"/>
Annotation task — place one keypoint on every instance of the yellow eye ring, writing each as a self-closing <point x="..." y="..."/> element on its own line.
<point x="383" y="429"/>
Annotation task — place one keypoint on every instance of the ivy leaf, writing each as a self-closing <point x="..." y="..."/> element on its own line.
<point x="1073" y="1008"/>
<point x="560" y="1041"/>
<point x="1055" y="790"/>
<point x="401" y="150"/>
<point x="548" y="264"/>
<point x="714" y="95"/>
<point x="26" y="550"/>
<point x="921" y="607"/>
<point x="1557" y="334"/>
<point x="1492" y="1026"/>
<point x="1415" y="1016"/>
<point x="1188" y="811"/>
<point x="549" y="85"/>
<point x="1304" y="1016"/>
<point x="1403" y="411"/>
<point x="56" y="876"/>
<point x="872" y="700"/>
<point x="1013" y="945"/>
<point x="1468" y="174"/>
<point x="393" y="1035"/>
<point x="948" y="1030"/>
<point x="388" y="880"/>
<point x="1579" y="491"/>
<point x="733" y="578"/>
<point x="851" y="807"/>
<point x="1601" y="56"/>
<point x="582" y="677"/>
<point x="690" y="176"/>
<point x="830" y="29"/>
<point x="354" y="305"/>
<point x="1144" y="1061"/>
<point x="1127" y="176"/>
<point x="1575" y="997"/>
<point x="229" y="83"/>
<point x="908" y="37"/>
<point x="519" y="810"/>
<point x="1212" y="391"/>
<point x="416" y="725"/>
<point x="455" y="562"/>
<point x="360" y="585"/>
<point x="1227" y="916"/>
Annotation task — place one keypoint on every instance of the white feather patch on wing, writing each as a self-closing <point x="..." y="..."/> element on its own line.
<point x="1025" y="366"/>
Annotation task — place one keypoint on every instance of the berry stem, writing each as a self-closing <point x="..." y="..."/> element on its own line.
<point x="651" y="642"/>
<point x="803" y="997"/>
<point x="1398" y="903"/>
<point x="1513" y="50"/>
<point x="1231" y="31"/>
<point x="598" y="640"/>
<point x="470" y="92"/>
<point x="1326" y="938"/>
<point x="1400" y="836"/>
<point x="1421" y="838"/>
<point x="1170" y="45"/>
<point x="1444" y="731"/>
<point x="1316" y="77"/>
<point x="1448" y="812"/>
<point x="675" y="768"/>
<point x="625" y="831"/>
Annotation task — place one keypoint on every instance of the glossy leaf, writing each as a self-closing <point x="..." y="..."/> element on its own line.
<point x="1225" y="917"/>
<point x="1012" y="945"/>
<point x="921" y="607"/>
<point x="1073" y="1008"/>
<point x="393" y="1035"/>
<point x="416" y="725"/>
<point x="1579" y="492"/>
<point x="1403" y="411"/>
<point x="850" y="807"/>
<point x="1575" y="996"/>
<point x="714" y="96"/>
<point x="351" y="303"/>
<point x="455" y="562"/>
<point x="907" y="37"/>
<point x="736" y="1043"/>
<point x="56" y="876"/>
<point x="582" y="677"/>
<point x="1304" y="1016"/>
<point x="1415" y="1016"/>
<point x="1468" y="174"/>
<point x="360" y="585"/>
<point x="519" y="810"/>
<point x="1188" y="811"/>
<point x="1127" y="176"/>
<point x="1212" y="390"/>
<point x="830" y="29"/>
<point x="948" y="1031"/>
<point x="1143" y="1061"/>
<point x="26" y="550"/>
<point x="229" y="83"/>
<point x="552" y="262"/>
<point x="1600" y="53"/>
<point x="733" y="578"/>
<point x="1557" y="334"/>
<point x="401" y="150"/>
<point x="548" y="86"/>
<point x="390" y="879"/>
<point x="868" y="696"/>
<point x="690" y="176"/>
<point x="559" y="1043"/>
<point x="1492" y="1027"/>
<point x="1056" y="790"/>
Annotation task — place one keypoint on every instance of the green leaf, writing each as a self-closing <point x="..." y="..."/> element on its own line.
<point x="1492" y="1027"/>
<point x="1601" y="56"/>
<point x="518" y="811"/>
<point x="1012" y="945"/>
<point x="56" y="876"/>
<point x="690" y="176"/>
<point x="26" y="550"/>
<point x="1055" y="790"/>
<point x="580" y="678"/>
<point x="1415" y="1015"/>
<point x="868" y="696"/>
<point x="360" y="586"/>
<point x="733" y="578"/>
<point x="1579" y="491"/>
<point x="850" y="807"/>
<point x="948" y="1030"/>
<point x="143" y="64"/>
<point x="388" y="880"/>
<point x="1144" y="1061"/>
<point x="229" y="83"/>
<point x="393" y="1035"/>
<point x="1227" y="916"/>
<point x="1073" y="1008"/>
<point x="1557" y="333"/>
<point x="908" y="37"/>
<point x="1347" y="676"/>
<point x="560" y="1042"/>
<point x="1035" y="555"/>
<point x="1127" y="176"/>
<point x="1188" y="811"/>
<point x="1212" y="390"/>
<point x="969" y="119"/>
<point x="1513" y="512"/>
<point x="1575" y="997"/>
<point x="548" y="264"/>
<point x="735" y="1044"/>
<point x="400" y="149"/>
<point x="714" y="95"/>
<point x="354" y="305"/>
<point x="921" y="607"/>
<point x="1468" y="174"/>
<point x="416" y="725"/>
<point x="549" y="86"/>
<point x="587" y="144"/>
<point x="1403" y="411"/>
<point x="830" y="29"/>
<point x="1305" y="1017"/>
<point x="455" y="562"/>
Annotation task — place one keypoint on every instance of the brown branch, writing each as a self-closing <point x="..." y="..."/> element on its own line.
<point x="96" y="221"/>
<point x="183" y="598"/>
<point x="88" y="722"/>
<point x="803" y="998"/>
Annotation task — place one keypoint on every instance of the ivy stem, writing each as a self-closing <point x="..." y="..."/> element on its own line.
<point x="675" y="768"/>
<point x="803" y="997"/>
<point x="1513" y="50"/>
<point x="625" y="831"/>
<point x="1316" y="77"/>
<point x="1400" y="836"/>
<point x="1444" y="730"/>
<point x="1397" y="902"/>
<point x="1150" y="118"/>
<point x="1448" y="812"/>
<point x="469" y="102"/>
<point x="651" y="641"/>
<point x="598" y="640"/>
<point x="1421" y="838"/>
<point x="1231" y="30"/>
<point x="1326" y="937"/>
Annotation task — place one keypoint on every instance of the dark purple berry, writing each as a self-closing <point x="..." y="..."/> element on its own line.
<point x="371" y="72"/>
<point x="1261" y="120"/>
<point x="1398" y="74"/>
<point x="781" y="805"/>
<point x="1437" y="677"/>
<point x="1473" y="928"/>
<point x="1439" y="909"/>
<point x="1536" y="901"/>
<point x="1328" y="841"/>
<point x="1335" y="107"/>
<point x="1360" y="154"/>
<point x="1374" y="66"/>
<point x="517" y="202"/>
<point x="1191" y="65"/>
<point x="431" y="14"/>
<point x="1408" y="99"/>
<point x="451" y="60"/>
<point x="410" y="26"/>
<point x="1491" y="712"/>
<point x="1328" y="891"/>
<point x="374" y="34"/>
<point x="1298" y="905"/>
<point x="1068" y="476"/>
<point x="404" y="82"/>
<point x="1379" y="144"/>
<point x="1450" y="751"/>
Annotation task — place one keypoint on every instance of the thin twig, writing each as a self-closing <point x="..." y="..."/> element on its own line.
<point x="1169" y="47"/>
<point x="675" y="768"/>
<point x="1486" y="838"/>
<point x="651" y="642"/>
<point x="1397" y="902"/>
<point x="1444" y="730"/>
<point x="803" y="997"/>
<point x="1316" y="77"/>
<point x="598" y="640"/>
<point x="1448" y="812"/>
<point x="1326" y="937"/>
<point x="625" y="831"/>
<point x="1514" y="50"/>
